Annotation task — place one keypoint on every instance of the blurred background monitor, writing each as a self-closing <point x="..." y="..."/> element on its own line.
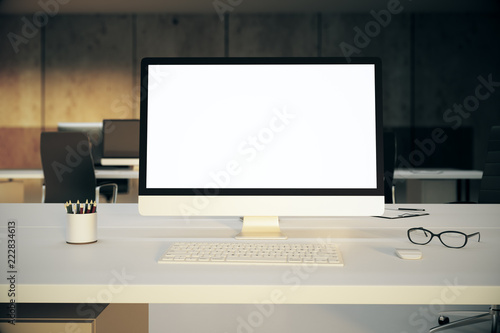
<point x="121" y="138"/>
<point x="94" y="132"/>
<point x="434" y="147"/>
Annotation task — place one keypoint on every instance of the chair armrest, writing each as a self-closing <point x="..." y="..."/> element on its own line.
<point x="115" y="191"/>
<point x="43" y="193"/>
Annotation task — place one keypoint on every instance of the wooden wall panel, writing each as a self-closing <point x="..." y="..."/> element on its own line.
<point x="88" y="68"/>
<point x="179" y="36"/>
<point x="20" y="84"/>
<point x="20" y="148"/>
<point x="91" y="64"/>
<point x="451" y="52"/>
<point x="273" y="35"/>
<point x="341" y="38"/>
<point x="20" y="93"/>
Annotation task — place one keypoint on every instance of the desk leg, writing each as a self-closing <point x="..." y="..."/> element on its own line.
<point x="459" y="190"/>
<point x="463" y="190"/>
<point x="467" y="190"/>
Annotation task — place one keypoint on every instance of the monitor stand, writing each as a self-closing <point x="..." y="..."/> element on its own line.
<point x="260" y="227"/>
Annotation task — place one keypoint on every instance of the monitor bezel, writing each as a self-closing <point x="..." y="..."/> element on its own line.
<point x="144" y="191"/>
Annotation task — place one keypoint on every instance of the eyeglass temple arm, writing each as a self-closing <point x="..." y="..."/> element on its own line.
<point x="474" y="234"/>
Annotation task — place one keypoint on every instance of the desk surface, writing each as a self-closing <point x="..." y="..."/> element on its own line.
<point x="121" y="267"/>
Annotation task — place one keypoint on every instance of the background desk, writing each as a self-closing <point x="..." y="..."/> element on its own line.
<point x="438" y="174"/>
<point x="121" y="268"/>
<point x="402" y="177"/>
<point x="134" y="174"/>
<point x="101" y="173"/>
<point x="462" y="177"/>
<point x="120" y="161"/>
<point x="25" y="185"/>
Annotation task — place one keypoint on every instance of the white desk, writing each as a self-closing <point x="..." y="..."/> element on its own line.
<point x="107" y="173"/>
<point x="121" y="267"/>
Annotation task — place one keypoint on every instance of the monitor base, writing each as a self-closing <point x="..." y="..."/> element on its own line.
<point x="260" y="227"/>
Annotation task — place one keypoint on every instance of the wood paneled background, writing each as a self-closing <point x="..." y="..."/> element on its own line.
<point x="86" y="67"/>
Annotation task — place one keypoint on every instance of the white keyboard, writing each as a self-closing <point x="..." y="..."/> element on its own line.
<point x="253" y="253"/>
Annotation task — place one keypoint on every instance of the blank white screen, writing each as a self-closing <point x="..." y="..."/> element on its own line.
<point x="261" y="126"/>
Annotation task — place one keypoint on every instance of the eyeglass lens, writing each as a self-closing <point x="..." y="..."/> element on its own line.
<point x="420" y="236"/>
<point x="453" y="239"/>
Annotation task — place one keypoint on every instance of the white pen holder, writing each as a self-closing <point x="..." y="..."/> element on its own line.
<point x="81" y="228"/>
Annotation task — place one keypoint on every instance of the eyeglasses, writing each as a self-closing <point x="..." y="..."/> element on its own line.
<point x="452" y="239"/>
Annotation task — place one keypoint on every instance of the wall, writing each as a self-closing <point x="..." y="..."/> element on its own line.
<point x="86" y="67"/>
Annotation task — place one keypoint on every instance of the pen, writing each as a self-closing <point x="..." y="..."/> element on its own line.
<point x="416" y="209"/>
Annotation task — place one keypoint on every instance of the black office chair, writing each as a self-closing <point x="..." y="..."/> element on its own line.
<point x="489" y="191"/>
<point x="492" y="315"/>
<point x="389" y="165"/>
<point x="68" y="168"/>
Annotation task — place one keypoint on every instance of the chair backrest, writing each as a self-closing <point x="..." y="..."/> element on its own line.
<point x="389" y="164"/>
<point x="68" y="168"/>
<point x="489" y="191"/>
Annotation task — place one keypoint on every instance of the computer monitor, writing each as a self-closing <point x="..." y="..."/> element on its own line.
<point x="120" y="142"/>
<point x="261" y="138"/>
<point x="93" y="131"/>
